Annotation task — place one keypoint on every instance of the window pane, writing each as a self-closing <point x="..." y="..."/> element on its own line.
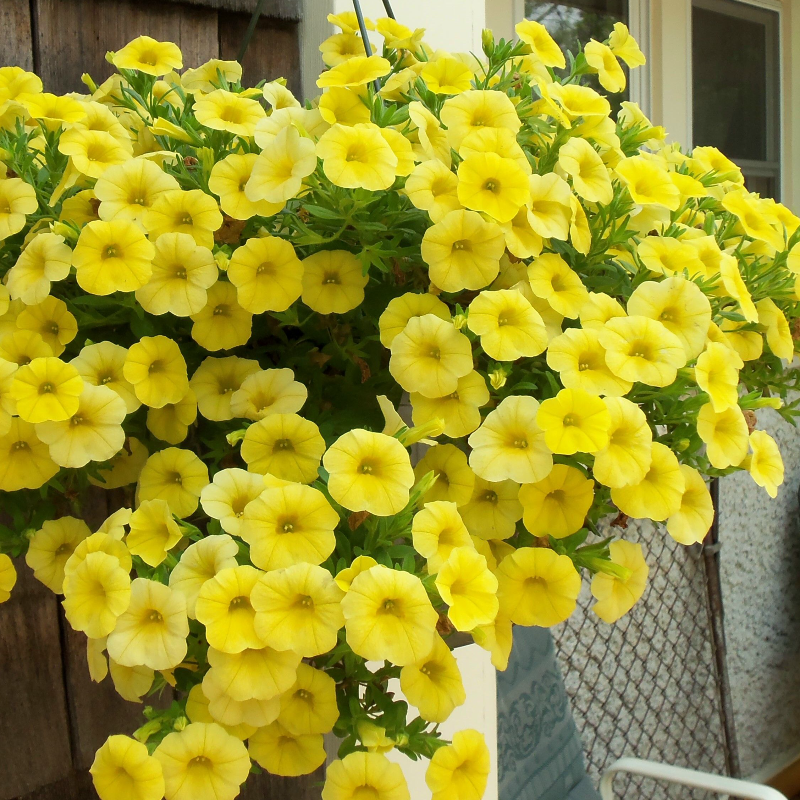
<point x="735" y="87"/>
<point x="573" y="22"/>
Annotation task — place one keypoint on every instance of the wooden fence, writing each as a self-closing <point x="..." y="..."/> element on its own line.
<point x="52" y="717"/>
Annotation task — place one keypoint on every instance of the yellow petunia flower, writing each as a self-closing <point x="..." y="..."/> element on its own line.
<point x="46" y="390"/>
<point x="333" y="282"/>
<point x="21" y="347"/>
<point x="152" y="631"/>
<point x="494" y="509"/>
<point x="171" y="422"/>
<point x="345" y="577"/>
<point x="93" y="152"/>
<point x="282" y="753"/>
<point x="778" y="333"/>
<point x="123" y="767"/>
<point x="668" y="256"/>
<point x="309" y="121"/>
<point x="616" y="596"/>
<point x="309" y="706"/>
<point x="522" y="240"/>
<point x="447" y="75"/>
<point x="8" y="577"/>
<point x="601" y="59"/>
<point x="45" y="260"/>
<point x="229" y="179"/>
<point x="648" y="183"/>
<point x="725" y="435"/>
<point x="227" y="497"/>
<point x="102" y="542"/>
<point x="155" y="367"/>
<point x="497" y="639"/>
<point x="222" y="323"/>
<point x="205" y="78"/>
<point x="182" y="274"/>
<point x="401" y="310"/>
<point x="96" y="593"/>
<point x="388" y="616"/>
<point x="590" y="178"/>
<point x="15" y="81"/>
<point x="153" y="532"/>
<point x="113" y="256"/>
<point x="626" y="458"/>
<point x="356" y="71"/>
<point x="460" y="409"/>
<point x="202" y="762"/>
<point x="432" y="187"/>
<point x="357" y="157"/>
<point x="200" y="562"/>
<point x="178" y="211"/>
<point x="222" y="110"/>
<point x="215" y="381"/>
<point x="345" y="107"/>
<point x="148" y="55"/>
<point x="299" y="609"/>
<point x="397" y="36"/>
<point x="765" y="463"/>
<point x="436" y="530"/>
<point x="369" y="472"/>
<point x="433" y="684"/>
<point x="544" y="47"/>
<point x="754" y="215"/>
<point x="284" y="445"/>
<point x="267" y="274"/>
<point x="550" y="206"/>
<point x="477" y="109"/>
<point x="692" y="521"/>
<point x="579" y="358"/>
<point x="367" y="775"/>
<point x="679" y="305"/>
<point x="278" y="173"/>
<point x="92" y="433"/>
<point x="557" y="506"/>
<point x="455" y="481"/>
<point x="53" y="110"/>
<point x="50" y="548"/>
<point x="17" y="200"/>
<point x="224" y="606"/>
<point x="625" y="47"/>
<point x="537" y="587"/>
<point x="176" y="476"/>
<point x="270" y="391"/>
<point x="339" y="47"/>
<point x="493" y="185"/>
<point x="551" y="279"/>
<point x="658" y="495"/>
<point x="287" y="525"/>
<point x="717" y="374"/>
<point x="463" y="251"/>
<point x="102" y="364"/>
<point x="127" y="190"/>
<point x="747" y="343"/>
<point x="461" y="769"/>
<point x="469" y="589"/>
<point x="131" y="683"/>
<point x="508" y="325"/>
<point x="510" y="444"/>
<point x="433" y="141"/>
<point x="52" y="321"/>
<point x="124" y="468"/>
<point x="574" y="421"/>
<point x="252" y="674"/>
<point x="642" y="349"/>
<point x="429" y="356"/>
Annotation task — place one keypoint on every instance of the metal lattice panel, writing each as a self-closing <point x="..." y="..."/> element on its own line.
<point x="647" y="686"/>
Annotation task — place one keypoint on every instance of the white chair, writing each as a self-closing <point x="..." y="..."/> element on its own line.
<point x="747" y="790"/>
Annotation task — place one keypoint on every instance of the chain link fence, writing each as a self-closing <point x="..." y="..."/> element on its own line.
<point x="648" y="685"/>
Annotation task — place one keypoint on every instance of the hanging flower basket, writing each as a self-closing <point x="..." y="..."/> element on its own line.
<point x="214" y="302"/>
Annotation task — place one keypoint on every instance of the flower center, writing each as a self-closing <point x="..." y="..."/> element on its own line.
<point x="185" y="219"/>
<point x="331" y="278"/>
<point x="110" y="251"/>
<point x="17" y="446"/>
<point x="231" y="114"/>
<point x="155" y="366"/>
<point x="462" y="244"/>
<point x="492" y="185"/>
<point x="46" y="388"/>
<point x="63" y="549"/>
<point x="175" y="477"/>
<point x="304" y="694"/>
<point x="265" y="268"/>
<point x="154" y="616"/>
<point x="106" y="379"/>
<point x="201" y="761"/>
<point x="287" y="527"/>
<point x="181" y="273"/>
<point x="489" y="496"/>
<point x="51" y="327"/>
<point x="435" y="353"/>
<point x="306" y="602"/>
<point x="283" y="444"/>
<point x="222" y="310"/>
<point x="239" y="604"/>
<point x="76" y="420"/>
<point x="521" y="444"/>
<point x="570" y="420"/>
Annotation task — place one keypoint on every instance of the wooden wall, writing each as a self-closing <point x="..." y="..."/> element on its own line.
<point x="61" y="39"/>
<point x="52" y="717"/>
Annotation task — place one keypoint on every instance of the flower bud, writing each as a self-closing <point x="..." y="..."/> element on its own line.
<point x="487" y="42"/>
<point x="62" y="229"/>
<point x="768" y="402"/>
<point x="222" y="260"/>
<point x="497" y="378"/>
<point x="180" y="723"/>
<point x="234" y="437"/>
<point x="460" y="320"/>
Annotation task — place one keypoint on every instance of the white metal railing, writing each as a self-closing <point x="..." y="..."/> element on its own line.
<point x="747" y="790"/>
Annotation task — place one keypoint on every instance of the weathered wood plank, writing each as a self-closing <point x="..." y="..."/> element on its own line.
<point x="73" y="36"/>
<point x="282" y="9"/>
<point x="34" y="729"/>
<point x="274" y="50"/>
<point x="16" y="43"/>
<point x="77" y="787"/>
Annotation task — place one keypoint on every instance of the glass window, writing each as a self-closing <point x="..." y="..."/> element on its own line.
<point x="573" y="22"/>
<point x="736" y="87"/>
